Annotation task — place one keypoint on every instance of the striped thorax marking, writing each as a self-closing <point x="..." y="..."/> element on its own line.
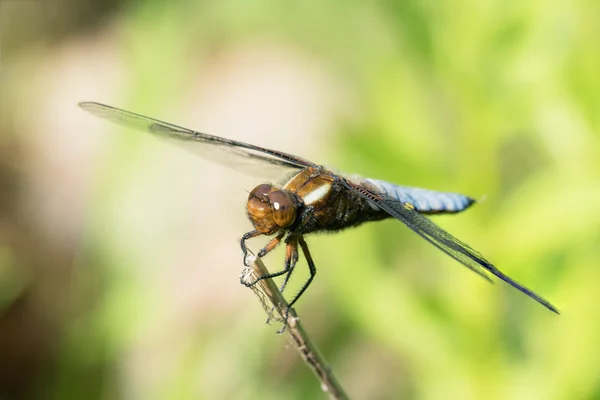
<point x="313" y="187"/>
<point x="317" y="194"/>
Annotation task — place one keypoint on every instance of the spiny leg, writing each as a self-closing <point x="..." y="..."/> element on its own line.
<point x="288" y="266"/>
<point x="247" y="236"/>
<point x="291" y="258"/>
<point x="271" y="245"/>
<point x="308" y="210"/>
<point x="294" y="260"/>
<point x="311" y="267"/>
<point x="263" y="252"/>
<point x="313" y="272"/>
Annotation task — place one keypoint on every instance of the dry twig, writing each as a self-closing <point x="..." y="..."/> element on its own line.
<point x="268" y="293"/>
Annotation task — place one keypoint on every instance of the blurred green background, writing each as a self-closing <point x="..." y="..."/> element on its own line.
<point x="119" y="255"/>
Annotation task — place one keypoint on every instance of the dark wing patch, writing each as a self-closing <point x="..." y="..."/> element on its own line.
<point x="198" y="142"/>
<point x="443" y="240"/>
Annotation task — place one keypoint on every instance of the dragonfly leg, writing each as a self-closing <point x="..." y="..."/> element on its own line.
<point x="271" y="245"/>
<point x="247" y="236"/>
<point x="263" y="252"/>
<point x="313" y="272"/>
<point x="287" y="268"/>
<point x="291" y="258"/>
<point x="311" y="267"/>
<point x="294" y="259"/>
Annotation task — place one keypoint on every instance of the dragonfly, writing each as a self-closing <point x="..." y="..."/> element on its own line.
<point x="312" y="198"/>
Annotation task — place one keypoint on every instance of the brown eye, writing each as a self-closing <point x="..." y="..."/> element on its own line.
<point x="259" y="209"/>
<point x="261" y="192"/>
<point x="284" y="209"/>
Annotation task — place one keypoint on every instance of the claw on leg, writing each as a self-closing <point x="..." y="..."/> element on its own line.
<point x="291" y="258"/>
<point x="288" y="265"/>
<point x="247" y="236"/>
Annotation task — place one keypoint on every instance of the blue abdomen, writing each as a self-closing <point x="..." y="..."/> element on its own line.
<point x="425" y="201"/>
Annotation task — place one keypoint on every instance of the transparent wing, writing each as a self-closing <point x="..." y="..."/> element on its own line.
<point x="241" y="156"/>
<point x="442" y="239"/>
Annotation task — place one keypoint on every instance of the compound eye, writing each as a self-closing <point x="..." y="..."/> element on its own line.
<point x="284" y="209"/>
<point x="261" y="192"/>
<point x="260" y="211"/>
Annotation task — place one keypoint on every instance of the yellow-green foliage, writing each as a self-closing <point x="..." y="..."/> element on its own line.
<point x="497" y="100"/>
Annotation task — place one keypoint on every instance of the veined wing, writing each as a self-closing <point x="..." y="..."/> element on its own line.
<point x="246" y="156"/>
<point x="441" y="239"/>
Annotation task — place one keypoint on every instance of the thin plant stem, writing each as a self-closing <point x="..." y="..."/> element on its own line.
<point x="273" y="302"/>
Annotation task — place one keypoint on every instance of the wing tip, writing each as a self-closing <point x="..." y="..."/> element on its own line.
<point x="552" y="308"/>
<point x="89" y="105"/>
<point x="528" y="292"/>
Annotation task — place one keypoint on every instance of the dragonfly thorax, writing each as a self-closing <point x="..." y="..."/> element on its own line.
<point x="270" y="209"/>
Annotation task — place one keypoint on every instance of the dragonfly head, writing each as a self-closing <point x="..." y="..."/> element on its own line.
<point x="270" y="209"/>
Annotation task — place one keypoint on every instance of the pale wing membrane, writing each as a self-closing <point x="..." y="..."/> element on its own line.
<point x="443" y="240"/>
<point x="245" y="156"/>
